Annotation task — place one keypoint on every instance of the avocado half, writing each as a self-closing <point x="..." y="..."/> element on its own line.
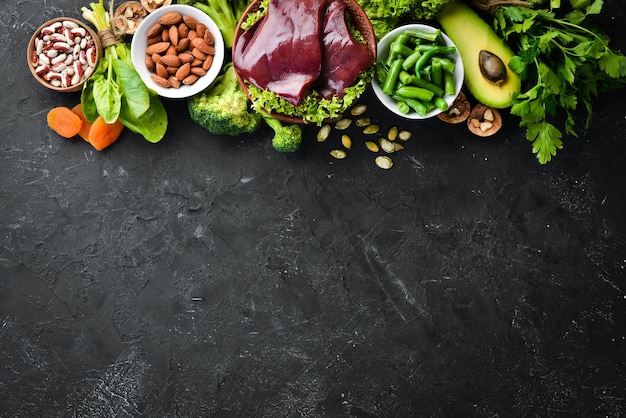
<point x="471" y="34"/>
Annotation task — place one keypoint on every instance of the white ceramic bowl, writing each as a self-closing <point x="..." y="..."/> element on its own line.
<point x="138" y="52"/>
<point x="383" y="53"/>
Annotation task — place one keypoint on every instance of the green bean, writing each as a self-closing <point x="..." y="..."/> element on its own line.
<point x="423" y="60"/>
<point x="414" y="104"/>
<point x="392" y="77"/>
<point x="436" y="73"/>
<point x="400" y="49"/>
<point x="449" y="86"/>
<point x="410" y="61"/>
<point x="429" y="36"/>
<point x="446" y="64"/>
<point x="440" y="103"/>
<point x="381" y="71"/>
<point x="422" y="82"/>
<point x="412" y="92"/>
<point x="403" y="107"/>
<point x="406" y="78"/>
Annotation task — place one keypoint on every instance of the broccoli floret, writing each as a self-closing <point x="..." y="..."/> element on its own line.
<point x="223" y="108"/>
<point x="224" y="13"/>
<point x="287" y="138"/>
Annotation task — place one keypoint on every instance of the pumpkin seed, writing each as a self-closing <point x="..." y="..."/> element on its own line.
<point x="371" y="129"/>
<point x="404" y="135"/>
<point x="343" y="124"/>
<point x="384" y="162"/>
<point x="392" y="134"/>
<point x="397" y="146"/>
<point x="338" y="154"/>
<point x="364" y="121"/>
<point x="372" y="146"/>
<point x="323" y="133"/>
<point x="387" y="145"/>
<point x="346" y="141"/>
<point x="358" y="110"/>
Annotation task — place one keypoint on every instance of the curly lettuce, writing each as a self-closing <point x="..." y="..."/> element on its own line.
<point x="313" y="109"/>
<point x="386" y="15"/>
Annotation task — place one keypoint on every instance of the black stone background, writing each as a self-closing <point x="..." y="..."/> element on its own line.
<point x="207" y="276"/>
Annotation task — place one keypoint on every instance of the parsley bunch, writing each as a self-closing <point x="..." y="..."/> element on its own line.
<point x="563" y="62"/>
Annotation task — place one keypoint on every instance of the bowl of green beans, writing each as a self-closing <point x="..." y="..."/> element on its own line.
<point x="419" y="71"/>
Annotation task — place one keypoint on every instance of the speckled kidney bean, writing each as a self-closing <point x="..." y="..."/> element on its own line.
<point x="64" y="54"/>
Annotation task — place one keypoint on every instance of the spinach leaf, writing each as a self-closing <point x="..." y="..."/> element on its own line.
<point x="108" y="98"/>
<point x="133" y="90"/>
<point x="87" y="101"/>
<point x="152" y="124"/>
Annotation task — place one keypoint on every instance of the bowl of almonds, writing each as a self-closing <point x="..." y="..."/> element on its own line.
<point x="178" y="51"/>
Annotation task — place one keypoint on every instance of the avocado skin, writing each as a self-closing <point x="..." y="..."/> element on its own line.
<point x="471" y="34"/>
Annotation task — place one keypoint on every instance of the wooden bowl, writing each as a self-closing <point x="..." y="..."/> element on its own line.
<point x="38" y="72"/>
<point x="359" y="19"/>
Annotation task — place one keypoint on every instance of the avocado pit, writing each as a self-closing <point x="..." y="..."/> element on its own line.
<point x="492" y="67"/>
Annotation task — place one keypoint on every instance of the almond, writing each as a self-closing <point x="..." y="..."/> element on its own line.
<point x="161" y="71"/>
<point x="183" y="45"/>
<point x="171" y="18"/>
<point x="200" y="29"/>
<point x="190" y="22"/>
<point x="203" y="46"/>
<point x="183" y="71"/>
<point x="183" y="30"/>
<point x="157" y="48"/>
<point x="199" y="71"/>
<point x="174" y="82"/>
<point x="173" y="35"/>
<point x="207" y="63"/>
<point x="160" y="81"/>
<point x="154" y="30"/>
<point x="171" y="50"/>
<point x="208" y="37"/>
<point x="185" y="57"/>
<point x="190" y="79"/>
<point x="149" y="63"/>
<point x="170" y="60"/>
<point x="198" y="54"/>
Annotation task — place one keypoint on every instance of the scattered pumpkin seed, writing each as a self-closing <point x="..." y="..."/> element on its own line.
<point x="364" y="121"/>
<point x="405" y="135"/>
<point x="392" y="134"/>
<point x="338" y="154"/>
<point x="323" y="133"/>
<point x="358" y="110"/>
<point x="371" y="129"/>
<point x="397" y="146"/>
<point x="346" y="141"/>
<point x="343" y="124"/>
<point x="384" y="162"/>
<point x="372" y="146"/>
<point x="387" y="145"/>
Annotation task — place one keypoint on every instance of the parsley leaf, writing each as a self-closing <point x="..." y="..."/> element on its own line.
<point x="563" y="63"/>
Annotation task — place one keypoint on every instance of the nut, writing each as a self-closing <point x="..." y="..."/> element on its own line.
<point x="171" y="18"/>
<point x="179" y="57"/>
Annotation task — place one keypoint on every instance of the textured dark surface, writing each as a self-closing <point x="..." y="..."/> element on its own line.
<point x="215" y="277"/>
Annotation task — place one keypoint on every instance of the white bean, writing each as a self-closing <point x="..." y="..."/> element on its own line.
<point x="59" y="58"/>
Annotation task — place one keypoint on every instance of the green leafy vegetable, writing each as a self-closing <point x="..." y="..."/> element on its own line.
<point x="115" y="89"/>
<point x="563" y="62"/>
<point x="387" y="15"/>
<point x="224" y="13"/>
